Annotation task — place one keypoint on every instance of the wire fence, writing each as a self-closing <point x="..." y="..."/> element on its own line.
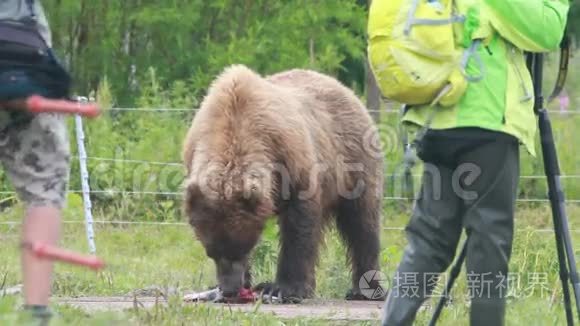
<point x="184" y="224"/>
<point x="178" y="195"/>
<point x="552" y="112"/>
<point x="83" y="157"/>
<point x="180" y="165"/>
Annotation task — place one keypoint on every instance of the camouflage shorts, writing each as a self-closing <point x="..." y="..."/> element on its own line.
<point x="35" y="153"/>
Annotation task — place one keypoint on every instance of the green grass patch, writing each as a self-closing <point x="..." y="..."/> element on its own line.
<point x="168" y="256"/>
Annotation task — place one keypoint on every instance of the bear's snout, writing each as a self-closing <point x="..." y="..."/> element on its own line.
<point x="230" y="276"/>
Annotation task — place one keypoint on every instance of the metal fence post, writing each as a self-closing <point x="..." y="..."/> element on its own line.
<point x="85" y="180"/>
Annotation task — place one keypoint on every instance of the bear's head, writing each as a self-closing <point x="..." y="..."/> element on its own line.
<point x="227" y="207"/>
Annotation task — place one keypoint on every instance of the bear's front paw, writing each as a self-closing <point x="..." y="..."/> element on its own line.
<point x="271" y="292"/>
<point x="378" y="294"/>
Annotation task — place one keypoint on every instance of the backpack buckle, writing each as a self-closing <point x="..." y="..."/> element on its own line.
<point x="467" y="55"/>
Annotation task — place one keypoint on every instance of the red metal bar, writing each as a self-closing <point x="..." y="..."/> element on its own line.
<point x="42" y="250"/>
<point x="38" y="104"/>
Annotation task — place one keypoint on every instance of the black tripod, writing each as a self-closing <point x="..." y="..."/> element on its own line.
<point x="566" y="257"/>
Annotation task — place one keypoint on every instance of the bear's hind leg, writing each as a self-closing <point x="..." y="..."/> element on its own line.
<point x="300" y="235"/>
<point x="359" y="225"/>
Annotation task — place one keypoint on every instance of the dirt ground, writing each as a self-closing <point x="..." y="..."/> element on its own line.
<point x="329" y="310"/>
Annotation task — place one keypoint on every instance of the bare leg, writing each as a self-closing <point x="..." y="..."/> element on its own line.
<point x="36" y="157"/>
<point x="41" y="224"/>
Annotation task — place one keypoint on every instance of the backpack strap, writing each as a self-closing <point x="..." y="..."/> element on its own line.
<point x="472" y="52"/>
<point x="411" y="20"/>
<point x="30" y="5"/>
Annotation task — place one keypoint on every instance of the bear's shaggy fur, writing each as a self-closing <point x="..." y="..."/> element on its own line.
<point x="299" y="145"/>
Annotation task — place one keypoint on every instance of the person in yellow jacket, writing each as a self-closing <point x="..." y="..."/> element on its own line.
<point x="471" y="158"/>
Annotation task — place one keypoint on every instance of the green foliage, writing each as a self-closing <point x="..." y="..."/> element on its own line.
<point x="191" y="41"/>
<point x="574" y="19"/>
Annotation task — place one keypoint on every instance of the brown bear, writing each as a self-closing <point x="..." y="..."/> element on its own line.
<point x="298" y="145"/>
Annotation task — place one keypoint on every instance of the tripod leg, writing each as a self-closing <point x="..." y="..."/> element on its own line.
<point x="408" y="190"/>
<point x="563" y="270"/>
<point x="455" y="270"/>
<point x="557" y="201"/>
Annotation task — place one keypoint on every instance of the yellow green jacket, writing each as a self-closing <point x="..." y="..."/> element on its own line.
<point x="503" y="100"/>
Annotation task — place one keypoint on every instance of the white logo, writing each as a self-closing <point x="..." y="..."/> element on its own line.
<point x="370" y="284"/>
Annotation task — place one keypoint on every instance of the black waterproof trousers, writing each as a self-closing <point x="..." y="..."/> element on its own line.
<point x="470" y="182"/>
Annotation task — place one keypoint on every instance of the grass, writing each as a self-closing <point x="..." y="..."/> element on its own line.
<point x="141" y="256"/>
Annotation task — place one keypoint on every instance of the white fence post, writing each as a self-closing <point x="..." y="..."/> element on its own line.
<point x="85" y="180"/>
